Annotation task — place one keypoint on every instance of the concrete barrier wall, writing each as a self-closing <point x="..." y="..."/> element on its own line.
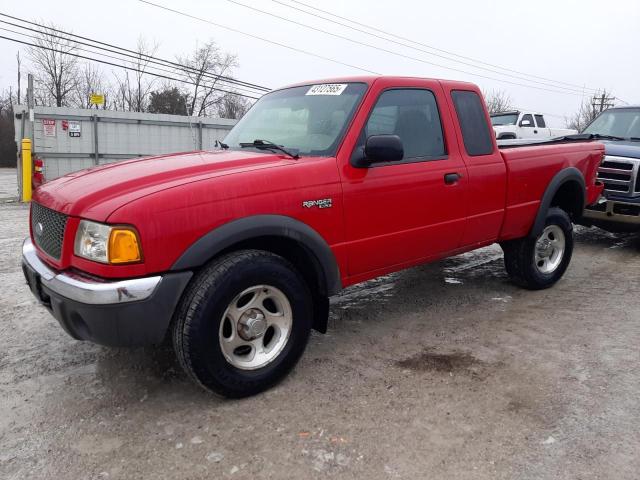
<point x="70" y="139"/>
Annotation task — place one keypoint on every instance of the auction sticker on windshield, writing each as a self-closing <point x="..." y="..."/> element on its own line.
<point x="327" y="89"/>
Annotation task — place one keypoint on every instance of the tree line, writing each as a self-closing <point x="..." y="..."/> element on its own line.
<point x="64" y="80"/>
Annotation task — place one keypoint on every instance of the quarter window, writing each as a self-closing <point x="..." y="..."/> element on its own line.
<point x="412" y="114"/>
<point x="473" y="122"/>
<point x="540" y="121"/>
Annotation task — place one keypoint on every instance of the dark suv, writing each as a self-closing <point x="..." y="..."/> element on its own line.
<point x="619" y="130"/>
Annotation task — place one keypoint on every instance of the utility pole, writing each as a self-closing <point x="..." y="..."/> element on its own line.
<point x="599" y="103"/>
<point x="18" y="57"/>
<point x="30" y="102"/>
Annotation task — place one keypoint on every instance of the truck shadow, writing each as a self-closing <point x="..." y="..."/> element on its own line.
<point x="597" y="237"/>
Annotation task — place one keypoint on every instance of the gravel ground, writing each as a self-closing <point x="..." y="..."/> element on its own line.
<point x="443" y="371"/>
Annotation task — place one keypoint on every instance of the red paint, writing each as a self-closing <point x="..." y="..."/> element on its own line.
<point x="382" y="219"/>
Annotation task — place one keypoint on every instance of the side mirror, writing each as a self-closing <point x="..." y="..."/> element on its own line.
<point x="525" y="123"/>
<point x="379" y="148"/>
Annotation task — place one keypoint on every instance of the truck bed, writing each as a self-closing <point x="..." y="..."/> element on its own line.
<point x="531" y="167"/>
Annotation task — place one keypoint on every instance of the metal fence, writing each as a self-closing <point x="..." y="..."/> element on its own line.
<point x="70" y="139"/>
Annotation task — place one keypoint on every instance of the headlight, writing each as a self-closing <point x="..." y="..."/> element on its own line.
<point x="106" y="244"/>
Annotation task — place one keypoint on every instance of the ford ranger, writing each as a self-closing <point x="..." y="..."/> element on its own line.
<point x="232" y="254"/>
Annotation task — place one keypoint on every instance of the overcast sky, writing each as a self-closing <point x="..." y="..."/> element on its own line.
<point x="586" y="43"/>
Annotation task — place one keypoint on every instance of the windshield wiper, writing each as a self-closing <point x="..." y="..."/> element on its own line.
<point x="634" y="139"/>
<point x="267" y="145"/>
<point x="222" y="145"/>
<point x="587" y="136"/>
<point x="606" y="137"/>
<point x="575" y="136"/>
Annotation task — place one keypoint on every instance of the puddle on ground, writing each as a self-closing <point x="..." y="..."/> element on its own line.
<point x="440" y="362"/>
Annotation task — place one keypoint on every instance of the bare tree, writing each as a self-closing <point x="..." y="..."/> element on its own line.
<point x="498" y="101"/>
<point x="55" y="65"/>
<point x="90" y="80"/>
<point x="589" y="109"/>
<point x="202" y="68"/>
<point x="233" y="106"/>
<point x="134" y="86"/>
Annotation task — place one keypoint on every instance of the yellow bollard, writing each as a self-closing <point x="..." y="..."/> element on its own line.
<point x="27" y="170"/>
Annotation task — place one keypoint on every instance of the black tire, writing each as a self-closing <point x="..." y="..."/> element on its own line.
<point x="519" y="255"/>
<point x="197" y="325"/>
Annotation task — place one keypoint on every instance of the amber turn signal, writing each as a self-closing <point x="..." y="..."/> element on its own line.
<point x="124" y="246"/>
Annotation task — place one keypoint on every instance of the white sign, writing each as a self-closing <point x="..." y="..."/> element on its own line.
<point x="49" y="127"/>
<point x="327" y="89"/>
<point x="75" y="129"/>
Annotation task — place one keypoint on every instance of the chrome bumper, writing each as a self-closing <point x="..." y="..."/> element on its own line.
<point x="612" y="212"/>
<point x="84" y="289"/>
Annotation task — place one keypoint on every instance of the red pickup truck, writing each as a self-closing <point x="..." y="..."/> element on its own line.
<point x="234" y="253"/>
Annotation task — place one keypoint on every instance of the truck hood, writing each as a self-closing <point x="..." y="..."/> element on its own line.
<point x="96" y="192"/>
<point x="622" y="149"/>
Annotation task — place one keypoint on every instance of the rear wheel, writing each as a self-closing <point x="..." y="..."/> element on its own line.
<point x="537" y="263"/>
<point x="243" y="323"/>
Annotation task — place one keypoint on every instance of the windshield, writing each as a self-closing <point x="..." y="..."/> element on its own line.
<point x="310" y="120"/>
<point x="619" y="122"/>
<point x="504" y="119"/>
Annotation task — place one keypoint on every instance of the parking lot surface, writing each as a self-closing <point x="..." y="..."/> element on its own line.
<point x="443" y="371"/>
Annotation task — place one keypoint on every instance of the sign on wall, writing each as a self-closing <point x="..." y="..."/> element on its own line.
<point x="49" y="127"/>
<point x="96" y="99"/>
<point x="75" y="128"/>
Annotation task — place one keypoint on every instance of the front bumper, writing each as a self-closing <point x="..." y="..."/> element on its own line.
<point x="131" y="312"/>
<point x="615" y="211"/>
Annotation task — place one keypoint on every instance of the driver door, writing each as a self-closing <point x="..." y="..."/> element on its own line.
<point x="403" y="212"/>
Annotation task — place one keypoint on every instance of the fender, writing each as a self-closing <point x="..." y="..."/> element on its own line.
<point x="220" y="238"/>
<point x="563" y="176"/>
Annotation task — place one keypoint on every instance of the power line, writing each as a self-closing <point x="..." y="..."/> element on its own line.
<point x="136" y="54"/>
<point x="448" y="58"/>
<point x="354" y="41"/>
<point x="251" y="35"/>
<point x="34" y="37"/>
<point x="123" y="66"/>
<point x="579" y="87"/>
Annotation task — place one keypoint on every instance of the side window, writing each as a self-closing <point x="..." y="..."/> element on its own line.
<point x="540" y="121"/>
<point x="473" y="122"/>
<point x="411" y="114"/>
<point x="526" y="117"/>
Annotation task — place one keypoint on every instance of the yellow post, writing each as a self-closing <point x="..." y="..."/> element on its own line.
<point x="27" y="170"/>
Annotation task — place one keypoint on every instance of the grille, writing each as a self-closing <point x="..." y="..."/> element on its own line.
<point x="48" y="229"/>
<point x="620" y="176"/>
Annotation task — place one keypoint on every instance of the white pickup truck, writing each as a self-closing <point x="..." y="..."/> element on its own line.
<point x="513" y="125"/>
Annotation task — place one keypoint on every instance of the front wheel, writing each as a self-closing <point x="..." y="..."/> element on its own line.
<point x="243" y="323"/>
<point x="537" y="263"/>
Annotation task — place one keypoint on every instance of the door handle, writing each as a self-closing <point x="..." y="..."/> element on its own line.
<point x="535" y="131"/>
<point x="451" y="178"/>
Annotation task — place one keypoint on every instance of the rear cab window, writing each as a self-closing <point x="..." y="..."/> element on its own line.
<point x="476" y="134"/>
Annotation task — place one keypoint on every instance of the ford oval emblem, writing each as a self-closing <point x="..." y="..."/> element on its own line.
<point x="39" y="229"/>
